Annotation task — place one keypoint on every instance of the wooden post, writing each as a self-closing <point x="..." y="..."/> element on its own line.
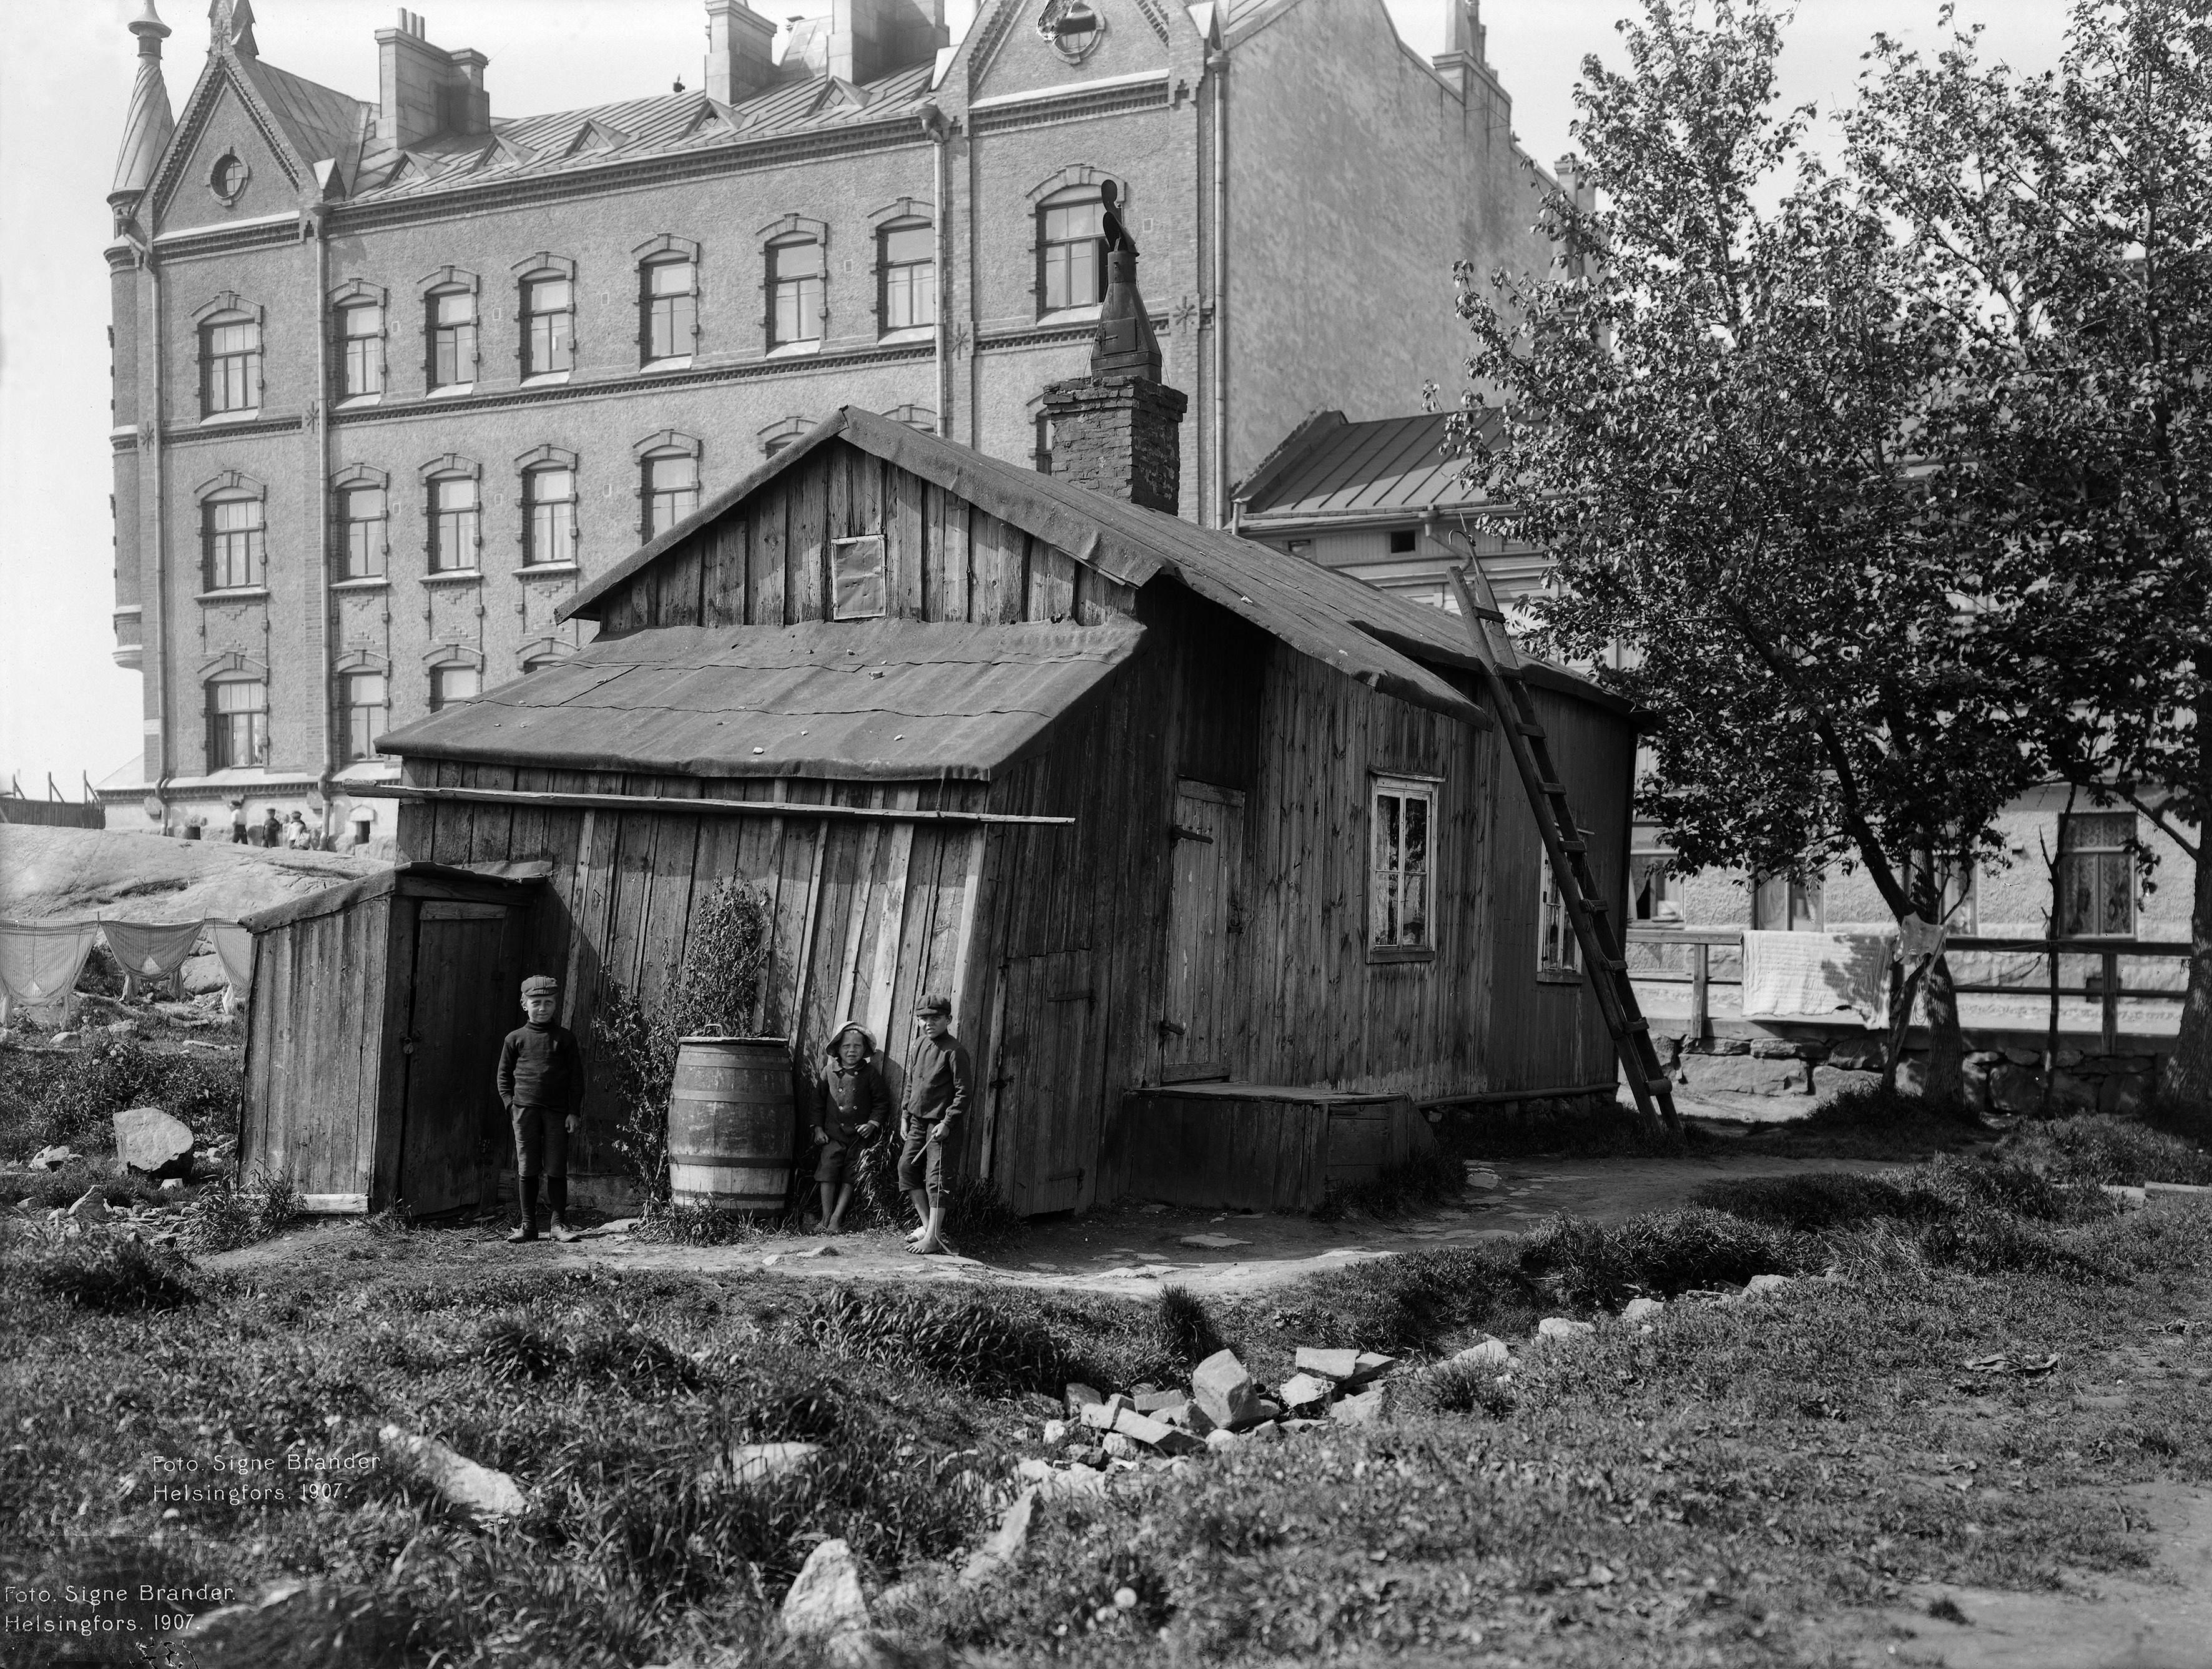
<point x="1700" y="999"/>
<point x="2111" y="995"/>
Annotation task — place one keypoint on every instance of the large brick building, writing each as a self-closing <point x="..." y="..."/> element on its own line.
<point x="393" y="378"/>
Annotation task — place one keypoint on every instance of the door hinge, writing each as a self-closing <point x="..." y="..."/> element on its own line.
<point x="1184" y="832"/>
<point x="1176" y="1027"/>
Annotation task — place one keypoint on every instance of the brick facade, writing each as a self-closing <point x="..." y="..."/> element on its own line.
<point x="992" y="128"/>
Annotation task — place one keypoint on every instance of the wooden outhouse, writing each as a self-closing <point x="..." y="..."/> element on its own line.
<point x="1155" y="804"/>
<point x="372" y="1037"/>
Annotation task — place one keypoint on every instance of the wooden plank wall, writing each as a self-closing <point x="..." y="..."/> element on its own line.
<point x="767" y="562"/>
<point x="867" y="915"/>
<point x="314" y="1072"/>
<point x="1550" y="1036"/>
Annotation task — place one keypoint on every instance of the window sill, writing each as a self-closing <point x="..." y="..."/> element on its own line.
<point x="1558" y="976"/>
<point x="673" y="362"/>
<point x="358" y="402"/>
<point x="546" y="379"/>
<point x="449" y="391"/>
<point x="1402" y="953"/>
<point x="541" y="570"/>
<point x="794" y="349"/>
<point x="1087" y="314"/>
<point x="910" y="333"/>
<point x="455" y="577"/>
<point x="238" y="593"/>
<point x="372" y="583"/>
<point x="217" y="419"/>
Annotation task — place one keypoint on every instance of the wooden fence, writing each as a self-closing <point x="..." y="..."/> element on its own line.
<point x="2104" y="985"/>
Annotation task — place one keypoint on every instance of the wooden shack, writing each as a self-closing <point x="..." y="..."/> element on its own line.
<point x="372" y="1039"/>
<point x="1155" y="805"/>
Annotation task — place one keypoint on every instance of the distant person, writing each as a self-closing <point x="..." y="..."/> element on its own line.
<point x="541" y="1084"/>
<point x="297" y="837"/>
<point x="272" y="831"/>
<point x="937" y="1082"/>
<point x="238" y="822"/>
<point x="851" y="1104"/>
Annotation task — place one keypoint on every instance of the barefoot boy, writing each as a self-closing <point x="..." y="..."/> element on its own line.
<point x="850" y="1105"/>
<point x="936" y="1096"/>
<point x="541" y="1083"/>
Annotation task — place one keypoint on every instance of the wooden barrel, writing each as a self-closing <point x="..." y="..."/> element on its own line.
<point x="730" y="1124"/>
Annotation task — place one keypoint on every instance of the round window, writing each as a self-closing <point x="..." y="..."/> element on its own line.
<point x="228" y="179"/>
<point x="1071" y="27"/>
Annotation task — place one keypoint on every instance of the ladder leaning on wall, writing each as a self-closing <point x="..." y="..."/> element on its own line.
<point x="1565" y="845"/>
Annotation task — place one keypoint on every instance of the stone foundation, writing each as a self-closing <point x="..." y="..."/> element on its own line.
<point x="2003" y="1079"/>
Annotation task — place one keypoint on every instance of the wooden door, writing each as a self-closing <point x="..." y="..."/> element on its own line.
<point x="465" y="1001"/>
<point x="1048" y="1083"/>
<point x="1208" y="832"/>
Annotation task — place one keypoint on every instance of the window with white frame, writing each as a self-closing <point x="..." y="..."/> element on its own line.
<point x="549" y="320"/>
<point x="669" y="302"/>
<point x="451" y="685"/>
<point x="363" y="700"/>
<point x="796" y="276"/>
<point x="230" y="364"/>
<point x="1559" y="952"/>
<point x="2097" y="874"/>
<point x="454" y="530"/>
<point x="238" y="722"/>
<point x="360" y="341"/>
<point x="1401" y="820"/>
<point x="362" y="525"/>
<point x="233" y="554"/>
<point x="670" y="490"/>
<point x="453" y="345"/>
<point x="549" y="516"/>
<point x="1070" y="249"/>
<point x="907" y="261"/>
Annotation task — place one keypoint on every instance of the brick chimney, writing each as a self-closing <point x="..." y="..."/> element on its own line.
<point x="424" y="92"/>
<point x="740" y="51"/>
<point x="872" y="38"/>
<point x="1117" y="430"/>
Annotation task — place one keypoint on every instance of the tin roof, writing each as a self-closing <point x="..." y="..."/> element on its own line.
<point x="875" y="700"/>
<point x="1331" y="469"/>
<point x="321" y="123"/>
<point x="1385" y="641"/>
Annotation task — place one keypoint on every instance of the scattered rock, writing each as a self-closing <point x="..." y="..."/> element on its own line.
<point x="1560" y="1326"/>
<point x="1190" y="1417"/>
<point x="53" y="1159"/>
<point x="1372" y="1366"/>
<point x="478" y="1490"/>
<point x="1212" y="1242"/>
<point x="122" y="1028"/>
<point x="172" y="1185"/>
<point x="1055" y="1432"/>
<point x="1119" y="1447"/>
<point x="1071" y="1481"/>
<point x="1334" y="1365"/>
<point x="1766" y="1283"/>
<point x="760" y="1463"/>
<point x="1366" y="1409"/>
<point x="1491" y="1353"/>
<point x="1077" y="1396"/>
<point x="1223" y="1389"/>
<point x="1154" y="1402"/>
<point x="988" y="1560"/>
<point x="1642" y="1309"/>
<point x="90" y="1207"/>
<point x="826" y="1600"/>
<point x="1154" y="1433"/>
<point x="1266" y="1432"/>
<point x="1221" y="1441"/>
<point x="1485" y="1180"/>
<point x="1303" y="1391"/>
<point x="149" y="1141"/>
<point x="1099" y="1417"/>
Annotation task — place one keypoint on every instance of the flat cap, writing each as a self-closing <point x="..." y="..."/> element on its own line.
<point x="934" y="1005"/>
<point x="541" y="984"/>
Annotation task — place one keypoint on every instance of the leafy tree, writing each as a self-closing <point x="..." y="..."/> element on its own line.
<point x="1710" y="418"/>
<point x="2062" y="224"/>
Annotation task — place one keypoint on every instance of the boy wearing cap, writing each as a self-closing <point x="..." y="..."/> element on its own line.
<point x="541" y="1084"/>
<point x="936" y="1095"/>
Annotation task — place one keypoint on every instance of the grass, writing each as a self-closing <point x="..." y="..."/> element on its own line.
<point x="1869" y="1122"/>
<point x="234" y="1212"/>
<point x="2101" y="1148"/>
<point x="1430" y="1177"/>
<point x="1717" y="1490"/>
<point x="71" y="1097"/>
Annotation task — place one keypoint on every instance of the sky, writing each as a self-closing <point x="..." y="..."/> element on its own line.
<point x="65" y="707"/>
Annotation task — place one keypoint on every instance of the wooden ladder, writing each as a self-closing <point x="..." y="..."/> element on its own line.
<point x="1565" y="845"/>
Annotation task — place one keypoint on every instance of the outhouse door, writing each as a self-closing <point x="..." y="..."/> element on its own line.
<point x="1208" y="832"/>
<point x="1050" y="1080"/>
<point x="464" y="1002"/>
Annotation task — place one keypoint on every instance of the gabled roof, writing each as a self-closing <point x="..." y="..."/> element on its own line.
<point x="318" y="122"/>
<point x="1392" y="468"/>
<point x="1382" y="641"/>
<point x="876" y="700"/>
<point x="671" y="123"/>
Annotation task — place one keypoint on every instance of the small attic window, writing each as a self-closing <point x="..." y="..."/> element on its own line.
<point x="227" y="179"/>
<point x="856" y="578"/>
<point x="1401" y="541"/>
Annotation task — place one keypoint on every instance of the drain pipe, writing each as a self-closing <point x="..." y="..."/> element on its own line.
<point x="152" y="434"/>
<point x="941" y="132"/>
<point x="1217" y="62"/>
<point x="317" y="225"/>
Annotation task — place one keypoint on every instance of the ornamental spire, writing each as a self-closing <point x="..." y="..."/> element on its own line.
<point x="147" y="129"/>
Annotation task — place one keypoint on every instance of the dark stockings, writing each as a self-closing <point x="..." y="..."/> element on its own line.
<point x="528" y="1188"/>
<point x="556" y="1193"/>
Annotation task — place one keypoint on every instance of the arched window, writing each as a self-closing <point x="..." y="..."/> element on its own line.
<point x="361" y="512"/>
<point x="451" y="359"/>
<point x="668" y="308"/>
<point x="455" y="532"/>
<point x="238" y="722"/>
<point x="451" y="685"/>
<point x="549" y="320"/>
<point x="230" y="363"/>
<point x="364" y="700"/>
<point x="233" y="551"/>
<point x="906" y="268"/>
<point x="360" y="350"/>
<point x="796" y="279"/>
<point x="1070" y="249"/>
<point x="549" y="516"/>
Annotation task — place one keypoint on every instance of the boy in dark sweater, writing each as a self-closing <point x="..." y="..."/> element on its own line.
<point x="541" y="1084"/>
<point x="937" y="1083"/>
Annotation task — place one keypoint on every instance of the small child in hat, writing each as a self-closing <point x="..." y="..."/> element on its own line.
<point x="541" y="1084"/>
<point x="851" y="1104"/>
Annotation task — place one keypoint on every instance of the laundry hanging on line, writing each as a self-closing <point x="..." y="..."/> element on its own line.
<point x="40" y="961"/>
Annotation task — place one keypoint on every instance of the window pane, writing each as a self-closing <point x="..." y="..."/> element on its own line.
<point x="455" y="307"/>
<point x="672" y="277"/>
<point x="906" y="243"/>
<point x="798" y="260"/>
<point x="856" y="567"/>
<point x="1417" y="834"/>
<point x="361" y="321"/>
<point x="549" y="295"/>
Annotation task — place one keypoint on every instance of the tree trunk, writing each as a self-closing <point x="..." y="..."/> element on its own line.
<point x="2186" y="1082"/>
<point x="1947" y="1044"/>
